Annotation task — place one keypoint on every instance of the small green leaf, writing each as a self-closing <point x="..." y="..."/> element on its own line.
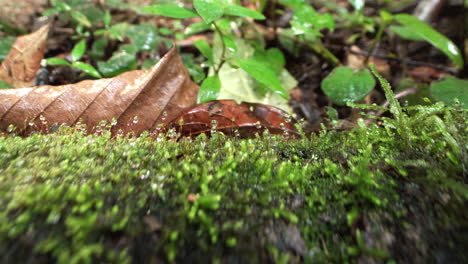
<point x="209" y="89"/>
<point x="237" y="10"/>
<point x="98" y="49"/>
<point x="263" y="74"/>
<point x="148" y="63"/>
<point x="144" y="36"/>
<point x="209" y="10"/>
<point x="81" y="18"/>
<point x="57" y="61"/>
<point x="230" y="44"/>
<point x="5" y="46"/>
<point x="86" y="68"/>
<point x="5" y="85"/>
<point x="276" y="59"/>
<point x="119" y="62"/>
<point x="438" y="40"/>
<point x="197" y="28"/>
<point x="385" y="16"/>
<point x="170" y="11"/>
<point x="205" y="49"/>
<point x="347" y="85"/>
<point x="450" y="88"/>
<point x="107" y="19"/>
<point x="78" y="50"/>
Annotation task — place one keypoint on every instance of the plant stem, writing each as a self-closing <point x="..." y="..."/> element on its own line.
<point x="376" y="40"/>
<point x="223" y="50"/>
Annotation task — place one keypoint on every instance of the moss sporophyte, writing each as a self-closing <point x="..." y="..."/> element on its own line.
<point x="332" y="197"/>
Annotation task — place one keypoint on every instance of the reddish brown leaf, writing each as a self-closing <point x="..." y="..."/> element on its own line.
<point x="23" y="61"/>
<point x="425" y="74"/>
<point x="138" y="100"/>
<point x="230" y="118"/>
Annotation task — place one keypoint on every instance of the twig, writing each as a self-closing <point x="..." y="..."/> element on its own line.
<point x="386" y="103"/>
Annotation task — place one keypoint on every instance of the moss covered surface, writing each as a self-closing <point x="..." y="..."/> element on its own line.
<point x="380" y="194"/>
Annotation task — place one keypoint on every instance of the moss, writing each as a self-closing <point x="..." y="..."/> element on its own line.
<point x="373" y="194"/>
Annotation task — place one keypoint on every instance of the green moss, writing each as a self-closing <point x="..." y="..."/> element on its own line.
<point x="376" y="192"/>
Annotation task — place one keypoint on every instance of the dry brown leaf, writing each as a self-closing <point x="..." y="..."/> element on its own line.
<point x="24" y="59"/>
<point x="137" y="100"/>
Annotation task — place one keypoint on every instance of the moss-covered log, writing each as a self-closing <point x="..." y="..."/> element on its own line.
<point x="370" y="195"/>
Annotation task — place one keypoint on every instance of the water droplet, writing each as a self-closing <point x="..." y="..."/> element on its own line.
<point x="214" y="126"/>
<point x="135" y="120"/>
<point x="285" y="129"/>
<point x="164" y="116"/>
<point x="42" y="118"/>
<point x="11" y="129"/>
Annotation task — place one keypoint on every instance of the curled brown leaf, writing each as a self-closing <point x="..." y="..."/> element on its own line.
<point x="136" y="100"/>
<point x="20" y="67"/>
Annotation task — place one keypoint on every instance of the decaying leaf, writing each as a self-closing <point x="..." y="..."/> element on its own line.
<point x="23" y="61"/>
<point x="227" y="116"/>
<point x="137" y="100"/>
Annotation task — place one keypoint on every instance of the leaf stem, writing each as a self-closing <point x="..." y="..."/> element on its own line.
<point x="376" y="40"/>
<point x="223" y="50"/>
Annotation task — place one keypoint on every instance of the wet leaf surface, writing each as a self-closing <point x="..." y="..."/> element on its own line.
<point x="135" y="100"/>
<point x="227" y="116"/>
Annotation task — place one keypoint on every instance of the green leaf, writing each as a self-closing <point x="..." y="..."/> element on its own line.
<point x="148" y="63"/>
<point x="205" y="49"/>
<point x="209" y="89"/>
<point x="57" y="61"/>
<point x="209" y="10"/>
<point x="195" y="69"/>
<point x="119" y="62"/>
<point x="98" y="49"/>
<point x="81" y="18"/>
<point x="230" y="44"/>
<point x="107" y="19"/>
<point x="5" y="85"/>
<point x="78" y="50"/>
<point x="306" y="21"/>
<point x="197" y="27"/>
<point x="170" y="11"/>
<point x="5" y="46"/>
<point x="263" y="74"/>
<point x="143" y="36"/>
<point x="357" y="4"/>
<point x="450" y="88"/>
<point x="429" y="34"/>
<point x="347" y="85"/>
<point x="237" y="10"/>
<point x="406" y="33"/>
<point x="86" y="68"/>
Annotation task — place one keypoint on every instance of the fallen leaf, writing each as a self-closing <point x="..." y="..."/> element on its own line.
<point x="227" y="116"/>
<point x="425" y="74"/>
<point x="23" y="61"/>
<point x="137" y="100"/>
